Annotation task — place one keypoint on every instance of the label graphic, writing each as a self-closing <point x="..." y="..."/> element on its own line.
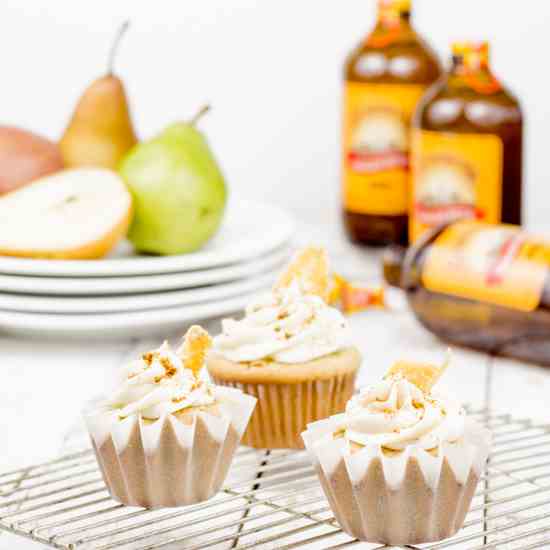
<point x="379" y="142"/>
<point x="376" y="146"/>
<point x="454" y="176"/>
<point x="445" y="191"/>
<point x="499" y="264"/>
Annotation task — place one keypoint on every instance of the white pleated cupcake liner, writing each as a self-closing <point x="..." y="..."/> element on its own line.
<point x="409" y="497"/>
<point x="169" y="462"/>
<point x="284" y="410"/>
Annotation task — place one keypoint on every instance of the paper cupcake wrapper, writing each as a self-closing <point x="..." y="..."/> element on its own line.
<point x="411" y="497"/>
<point x="284" y="410"/>
<point x="167" y="462"/>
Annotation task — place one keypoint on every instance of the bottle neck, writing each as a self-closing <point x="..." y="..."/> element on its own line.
<point x="462" y="64"/>
<point x="393" y="259"/>
<point x="471" y="70"/>
<point x="393" y="13"/>
<point x="393" y="24"/>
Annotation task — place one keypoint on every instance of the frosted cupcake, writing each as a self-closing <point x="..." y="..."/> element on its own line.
<point x="165" y="437"/>
<point x="401" y="465"/>
<point x="291" y="351"/>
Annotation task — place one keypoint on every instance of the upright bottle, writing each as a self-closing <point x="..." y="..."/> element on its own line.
<point x="384" y="80"/>
<point x="466" y="147"/>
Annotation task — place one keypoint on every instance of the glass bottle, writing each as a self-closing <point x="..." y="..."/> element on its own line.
<point x="480" y="285"/>
<point x="384" y="78"/>
<point x="466" y="147"/>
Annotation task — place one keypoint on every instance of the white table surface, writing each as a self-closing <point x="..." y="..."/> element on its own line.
<point x="46" y="382"/>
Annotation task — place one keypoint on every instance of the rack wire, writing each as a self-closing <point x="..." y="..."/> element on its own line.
<point x="272" y="500"/>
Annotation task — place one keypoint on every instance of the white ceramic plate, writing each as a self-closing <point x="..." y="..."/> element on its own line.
<point x="117" y="325"/>
<point x="134" y="302"/>
<point x="249" y="229"/>
<point x="143" y="283"/>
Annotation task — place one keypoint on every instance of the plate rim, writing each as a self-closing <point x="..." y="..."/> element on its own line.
<point x="278" y="234"/>
<point x="25" y="323"/>
<point x="141" y="284"/>
<point x="76" y="305"/>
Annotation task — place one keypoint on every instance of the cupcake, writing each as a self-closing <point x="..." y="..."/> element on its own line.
<point x="401" y="465"/>
<point x="165" y="437"/>
<point x="292" y="352"/>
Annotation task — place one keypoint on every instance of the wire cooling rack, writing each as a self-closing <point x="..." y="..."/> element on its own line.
<point x="272" y="500"/>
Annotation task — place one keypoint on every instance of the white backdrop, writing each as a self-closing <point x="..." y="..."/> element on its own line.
<point x="270" y="68"/>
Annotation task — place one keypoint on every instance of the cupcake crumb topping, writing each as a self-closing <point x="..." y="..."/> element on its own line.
<point x="402" y="410"/>
<point x="287" y="326"/>
<point x="164" y="381"/>
<point x="291" y="324"/>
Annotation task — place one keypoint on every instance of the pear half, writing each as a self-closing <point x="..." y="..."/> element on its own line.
<point x="73" y="214"/>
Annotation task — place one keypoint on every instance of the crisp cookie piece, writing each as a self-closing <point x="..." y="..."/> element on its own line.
<point x="422" y="375"/>
<point x="196" y="343"/>
<point x="309" y="269"/>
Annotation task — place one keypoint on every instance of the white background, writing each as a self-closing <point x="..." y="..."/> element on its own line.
<point x="270" y="68"/>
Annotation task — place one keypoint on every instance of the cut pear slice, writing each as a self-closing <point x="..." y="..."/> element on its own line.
<point x="422" y="375"/>
<point x="73" y="214"/>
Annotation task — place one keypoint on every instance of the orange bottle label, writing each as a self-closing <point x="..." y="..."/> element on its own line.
<point x="454" y="176"/>
<point x="376" y="146"/>
<point x="498" y="264"/>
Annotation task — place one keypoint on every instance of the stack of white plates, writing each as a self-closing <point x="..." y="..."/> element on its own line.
<point x="126" y="294"/>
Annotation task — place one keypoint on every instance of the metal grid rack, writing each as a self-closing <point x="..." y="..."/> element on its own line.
<point x="272" y="500"/>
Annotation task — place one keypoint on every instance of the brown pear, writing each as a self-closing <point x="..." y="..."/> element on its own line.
<point x="100" y="131"/>
<point x="24" y="157"/>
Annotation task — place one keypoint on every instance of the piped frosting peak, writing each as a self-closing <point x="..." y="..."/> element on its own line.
<point x="163" y="381"/>
<point x="399" y="418"/>
<point x="291" y="324"/>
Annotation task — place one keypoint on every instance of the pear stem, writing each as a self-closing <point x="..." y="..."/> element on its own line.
<point x="201" y="112"/>
<point x="114" y="47"/>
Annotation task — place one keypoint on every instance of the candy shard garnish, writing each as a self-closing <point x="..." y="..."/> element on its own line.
<point x="357" y="298"/>
<point x="196" y="343"/>
<point x="335" y="285"/>
<point x="422" y="375"/>
<point x="309" y="269"/>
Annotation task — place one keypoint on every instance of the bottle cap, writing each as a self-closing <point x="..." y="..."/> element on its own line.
<point x="474" y="65"/>
<point x="399" y="6"/>
<point x="390" y="19"/>
<point x="474" y="54"/>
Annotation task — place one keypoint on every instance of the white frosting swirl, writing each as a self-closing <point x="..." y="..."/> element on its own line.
<point x="158" y="384"/>
<point x="395" y="413"/>
<point x="286" y="326"/>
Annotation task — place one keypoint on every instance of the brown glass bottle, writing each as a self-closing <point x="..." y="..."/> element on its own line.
<point x="466" y="147"/>
<point x="384" y="79"/>
<point x="480" y="285"/>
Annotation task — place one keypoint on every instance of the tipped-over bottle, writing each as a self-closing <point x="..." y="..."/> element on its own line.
<point x="480" y="285"/>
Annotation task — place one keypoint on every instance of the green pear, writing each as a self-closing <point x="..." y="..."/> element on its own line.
<point x="100" y="131"/>
<point x="178" y="189"/>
